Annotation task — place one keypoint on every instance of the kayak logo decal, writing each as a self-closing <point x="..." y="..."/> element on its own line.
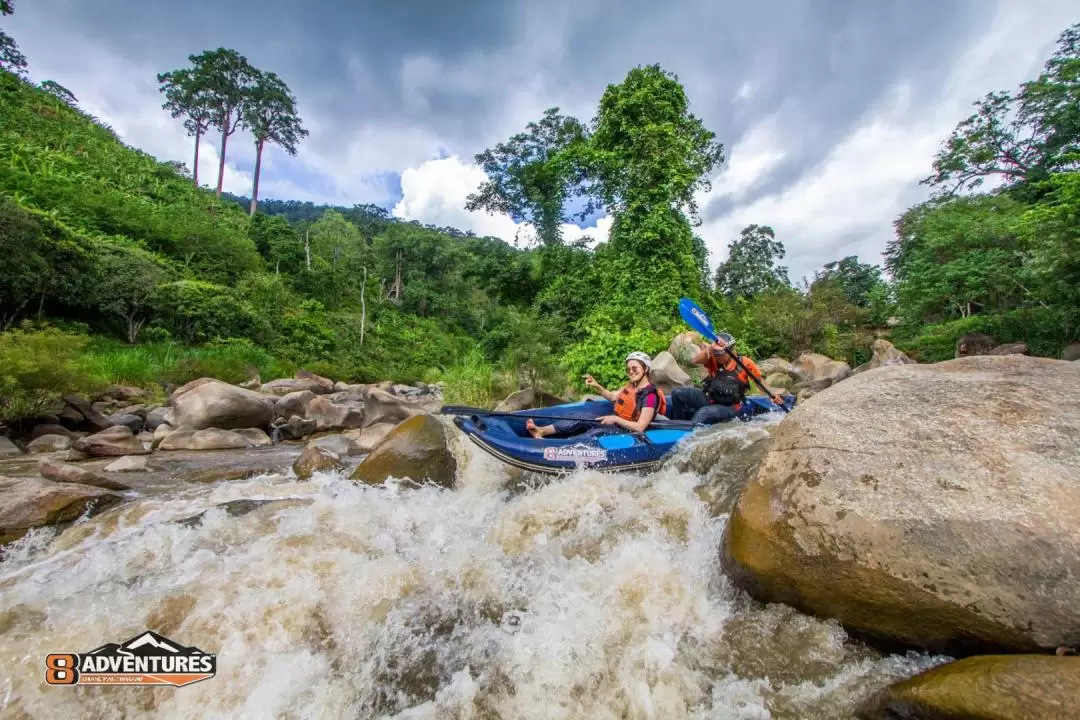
<point x="700" y="316"/>
<point x="146" y="659"/>
<point x="576" y="453"/>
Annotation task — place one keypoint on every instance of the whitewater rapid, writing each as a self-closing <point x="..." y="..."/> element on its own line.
<point x="595" y="596"/>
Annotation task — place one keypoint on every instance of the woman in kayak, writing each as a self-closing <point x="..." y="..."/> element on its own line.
<point x="636" y="404"/>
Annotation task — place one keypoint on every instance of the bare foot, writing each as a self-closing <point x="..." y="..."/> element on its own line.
<point x="535" y="430"/>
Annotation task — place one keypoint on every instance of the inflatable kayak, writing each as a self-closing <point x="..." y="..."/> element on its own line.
<point x="601" y="447"/>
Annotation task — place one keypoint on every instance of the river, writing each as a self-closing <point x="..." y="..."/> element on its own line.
<point x="595" y="596"/>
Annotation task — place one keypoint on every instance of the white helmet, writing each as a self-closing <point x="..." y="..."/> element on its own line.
<point x="642" y="358"/>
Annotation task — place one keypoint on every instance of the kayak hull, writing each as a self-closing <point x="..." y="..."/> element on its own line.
<point x="601" y="447"/>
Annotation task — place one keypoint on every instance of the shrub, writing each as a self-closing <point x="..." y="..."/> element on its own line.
<point x="37" y="365"/>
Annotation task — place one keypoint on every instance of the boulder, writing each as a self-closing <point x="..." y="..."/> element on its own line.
<point x="91" y="417"/>
<point x="123" y="393"/>
<point x="1071" y="352"/>
<point x="986" y="687"/>
<point x="154" y="418"/>
<point x="332" y="416"/>
<point x="417" y="450"/>
<point x="8" y="448"/>
<point x="366" y="440"/>
<point x="295" y="428"/>
<point x="295" y="403"/>
<point x="928" y="506"/>
<point x="51" y="429"/>
<point x="128" y="420"/>
<point x="255" y="436"/>
<point x="819" y="371"/>
<point x="315" y="459"/>
<point x="1016" y="348"/>
<point x="381" y="406"/>
<point x="128" y="463"/>
<point x="64" y="473"/>
<point x="116" y="441"/>
<point x="212" y="439"/>
<point x="779" y="380"/>
<point x="685" y="345"/>
<point x="974" y="344"/>
<point x="70" y="418"/>
<point x="27" y="503"/>
<point x="527" y="398"/>
<point x="885" y="354"/>
<point x="160" y="433"/>
<point x="667" y="374"/>
<point x="774" y="364"/>
<point x="304" y="380"/>
<point x="340" y="445"/>
<point x="206" y="403"/>
<point x="48" y="444"/>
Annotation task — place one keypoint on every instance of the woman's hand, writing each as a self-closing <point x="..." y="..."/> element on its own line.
<point x="591" y="382"/>
<point x="609" y="419"/>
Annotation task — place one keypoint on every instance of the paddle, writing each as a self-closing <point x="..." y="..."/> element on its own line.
<point x="696" y="318"/>
<point x="465" y="410"/>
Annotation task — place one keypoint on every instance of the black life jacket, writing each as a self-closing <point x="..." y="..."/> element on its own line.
<point x="727" y="387"/>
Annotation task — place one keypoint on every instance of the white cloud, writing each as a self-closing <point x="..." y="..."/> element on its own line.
<point x="435" y="192"/>
<point x="872" y="176"/>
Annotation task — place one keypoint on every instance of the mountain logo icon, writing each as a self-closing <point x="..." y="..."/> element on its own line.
<point x="145" y="659"/>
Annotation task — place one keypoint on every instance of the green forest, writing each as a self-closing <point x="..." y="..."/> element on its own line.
<point x="121" y="268"/>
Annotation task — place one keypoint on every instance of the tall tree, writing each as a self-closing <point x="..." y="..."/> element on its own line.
<point x="226" y="78"/>
<point x="856" y="280"/>
<point x="751" y="267"/>
<point x="187" y="96"/>
<point x="531" y="176"/>
<point x="271" y="116"/>
<point x="10" y="58"/>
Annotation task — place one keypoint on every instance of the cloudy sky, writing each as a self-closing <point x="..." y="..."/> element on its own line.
<point x="830" y="111"/>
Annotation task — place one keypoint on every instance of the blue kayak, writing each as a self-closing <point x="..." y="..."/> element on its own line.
<point x="601" y="447"/>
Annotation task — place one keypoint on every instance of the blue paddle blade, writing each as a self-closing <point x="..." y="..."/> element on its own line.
<point x="696" y="318"/>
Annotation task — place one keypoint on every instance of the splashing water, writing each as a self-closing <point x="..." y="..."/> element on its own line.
<point x="595" y="596"/>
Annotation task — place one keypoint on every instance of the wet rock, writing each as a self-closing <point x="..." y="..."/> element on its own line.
<point x="931" y="506"/>
<point x="381" y="407"/>
<point x="724" y="457"/>
<point x="65" y="473"/>
<point x="154" y="418"/>
<point x="51" y="429"/>
<point x="70" y="418"/>
<point x="128" y="463"/>
<point x="161" y="432"/>
<point x="239" y="508"/>
<point x="48" y="444"/>
<point x="91" y="417"/>
<point x="8" y="448"/>
<point x="255" y="436"/>
<point x="366" y="440"/>
<point x="295" y="403"/>
<point x="316" y="459"/>
<point x="527" y="398"/>
<point x="988" y="687"/>
<point x="1071" y="352"/>
<point x="304" y="381"/>
<point x="774" y="364"/>
<point x="332" y="416"/>
<point x="208" y="403"/>
<point x="296" y="428"/>
<point x="337" y="444"/>
<point x="819" y="371"/>
<point x="885" y="354"/>
<point x="117" y="440"/>
<point x="131" y="421"/>
<point x="27" y="503"/>
<point x="213" y="439"/>
<point x="418" y="450"/>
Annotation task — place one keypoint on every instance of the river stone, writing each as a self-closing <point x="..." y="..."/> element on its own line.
<point x="64" y="473"/>
<point x="987" y="687"/>
<point x="526" y="399"/>
<point x="128" y="463"/>
<point x="9" y="448"/>
<point x="417" y="449"/>
<point x="206" y="403"/>
<point x="91" y="417"/>
<point x="154" y="418"/>
<point x="295" y="403"/>
<point x="1016" y="348"/>
<point x="209" y="439"/>
<point x="667" y="374"/>
<point x="117" y="440"/>
<point x="329" y="415"/>
<point x="381" y="406"/>
<point x="366" y="440"/>
<point x="885" y="354"/>
<point x="930" y="506"/>
<point x="819" y="371"/>
<point x="52" y="429"/>
<point x="27" y="503"/>
<point x="1071" y="351"/>
<point x="316" y="458"/>
<point x="337" y="444"/>
<point x="129" y="420"/>
<point x="774" y="364"/>
<point x="48" y="444"/>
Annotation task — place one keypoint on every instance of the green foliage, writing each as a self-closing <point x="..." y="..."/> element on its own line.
<point x="195" y="311"/>
<point x="602" y="353"/>
<point x="475" y="381"/>
<point x="37" y="365"/>
<point x="532" y="351"/>
<point x="751" y="265"/>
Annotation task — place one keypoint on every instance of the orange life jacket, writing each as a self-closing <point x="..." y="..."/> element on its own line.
<point x="630" y="400"/>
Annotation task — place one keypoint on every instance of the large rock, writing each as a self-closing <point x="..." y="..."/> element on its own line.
<point x="381" y="406"/>
<point x="366" y="440"/>
<point x="1016" y="348"/>
<point x="1071" y="352"/>
<point x="295" y="403"/>
<point x="987" y="687"/>
<point x="117" y="440"/>
<point x="65" y="473"/>
<point x="774" y="364"/>
<point x="819" y="371"/>
<point x="27" y="503"/>
<point x="8" y="448"/>
<point x="213" y="439"/>
<point x="418" y="450"/>
<point x="304" y="380"/>
<point x="667" y="374"/>
<point x="316" y="458"/>
<point x="154" y="418"/>
<point x="48" y="444"/>
<point x="885" y="354"/>
<point x="206" y="403"/>
<point x="974" y="344"/>
<point x="329" y="415"/>
<point x="91" y="417"/>
<point x="931" y="506"/>
<point x="295" y="428"/>
<point x="527" y="399"/>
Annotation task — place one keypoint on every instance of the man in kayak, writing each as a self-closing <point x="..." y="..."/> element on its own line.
<point x="636" y="404"/>
<point x="723" y="390"/>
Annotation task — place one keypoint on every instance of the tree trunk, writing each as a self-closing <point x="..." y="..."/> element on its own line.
<point x="258" y="164"/>
<point x="195" y="170"/>
<point x="363" y="305"/>
<point x="307" y="247"/>
<point x="224" y="141"/>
